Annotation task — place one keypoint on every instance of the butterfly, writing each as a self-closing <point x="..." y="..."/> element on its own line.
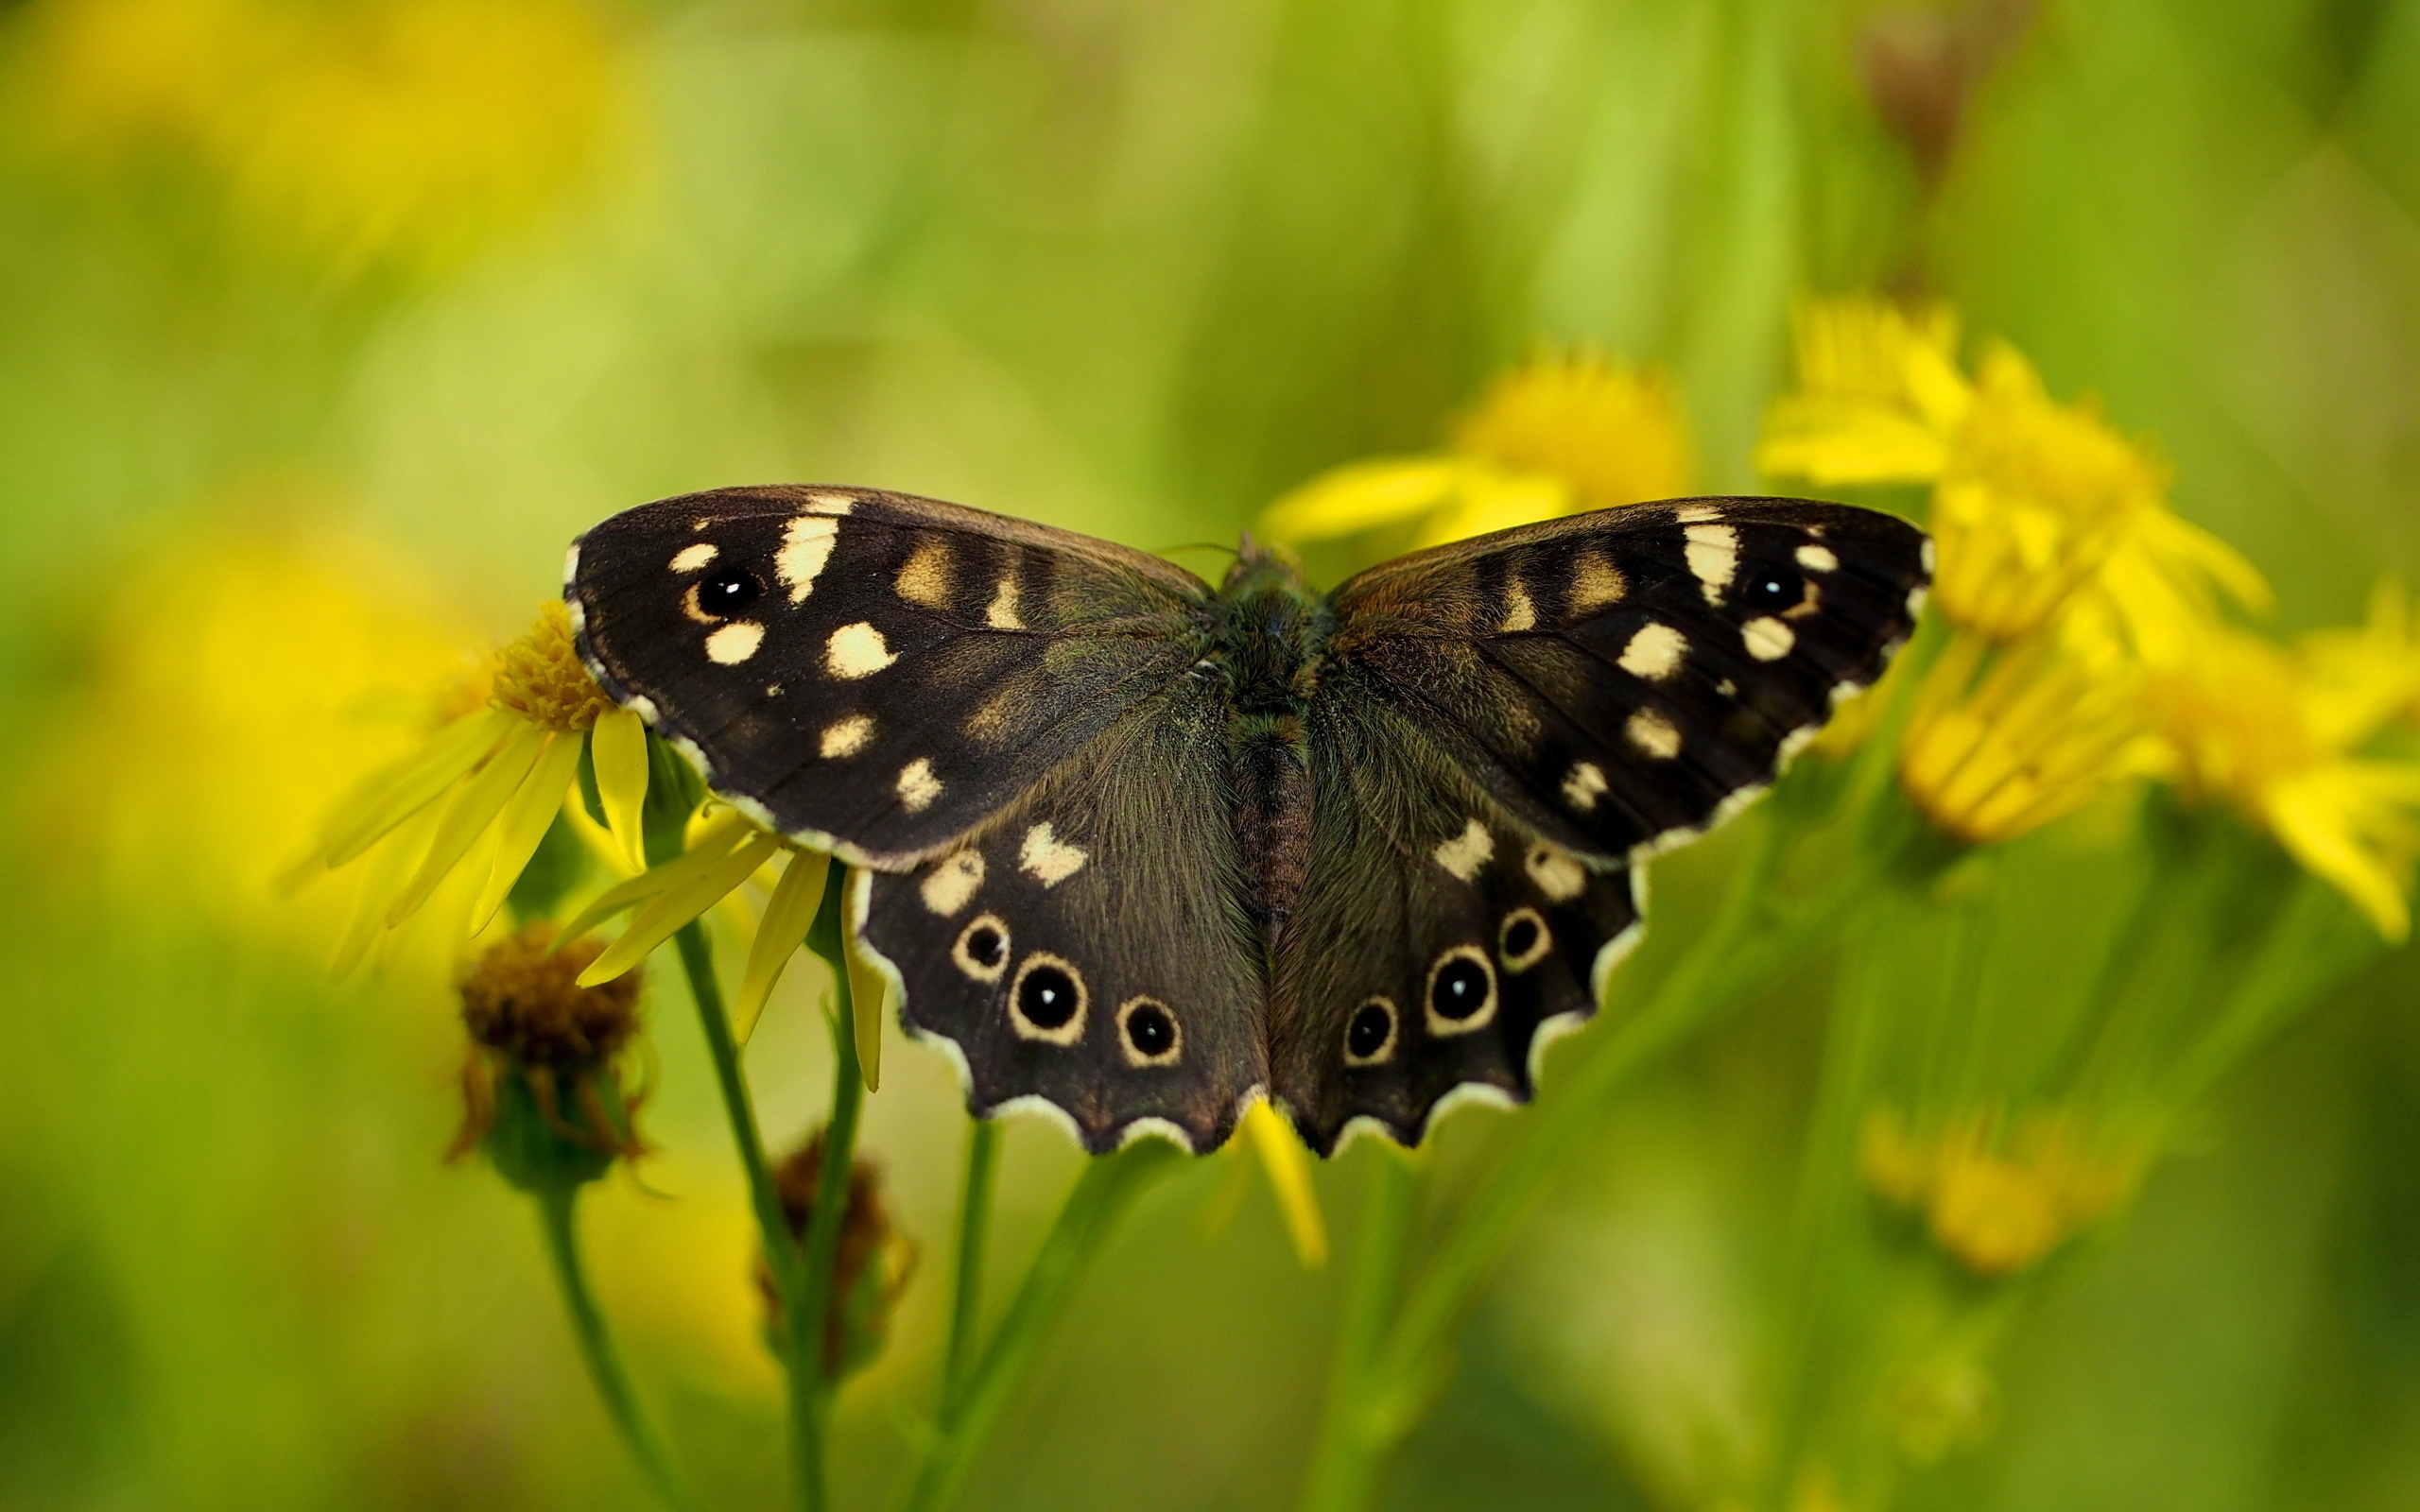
<point x="1137" y="849"/>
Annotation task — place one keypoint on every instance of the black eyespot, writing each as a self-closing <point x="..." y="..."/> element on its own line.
<point x="985" y="945"/>
<point x="1372" y="1025"/>
<point x="724" y="594"/>
<point x="1046" y="997"/>
<point x="1150" y="1029"/>
<point x="1458" y="990"/>
<point x="1765" y="591"/>
<point x="1520" y="936"/>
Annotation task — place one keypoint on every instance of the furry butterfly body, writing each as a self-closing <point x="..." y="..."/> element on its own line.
<point x="1138" y="849"/>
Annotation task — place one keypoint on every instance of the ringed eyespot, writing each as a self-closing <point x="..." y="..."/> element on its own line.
<point x="724" y="593"/>
<point x="1461" y="992"/>
<point x="982" y="947"/>
<point x="1522" y="941"/>
<point x="1046" y="1002"/>
<point x="1148" y="1033"/>
<point x="1369" y="1034"/>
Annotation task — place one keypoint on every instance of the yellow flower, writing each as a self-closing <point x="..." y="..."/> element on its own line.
<point x="2004" y="738"/>
<point x="1288" y="1166"/>
<point x="2274" y="733"/>
<point x="480" y="794"/>
<point x="2357" y="682"/>
<point x="1563" y="432"/>
<point x="2034" y="501"/>
<point x="1997" y="1200"/>
<point x="412" y="128"/>
<point x="223" y="668"/>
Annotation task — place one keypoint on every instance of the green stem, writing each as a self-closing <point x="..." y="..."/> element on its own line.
<point x="1109" y="1183"/>
<point x="974" y="1230"/>
<point x="772" y="1223"/>
<point x="810" y="1310"/>
<point x="1356" y="1426"/>
<point x="556" y="1211"/>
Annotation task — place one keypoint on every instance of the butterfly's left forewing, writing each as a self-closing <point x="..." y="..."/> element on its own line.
<point x="1505" y="728"/>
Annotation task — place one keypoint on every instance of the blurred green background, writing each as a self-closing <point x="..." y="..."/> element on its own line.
<point x="324" y="325"/>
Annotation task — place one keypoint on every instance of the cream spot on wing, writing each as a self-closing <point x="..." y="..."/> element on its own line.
<point x="1693" y="513"/>
<point x="735" y="643"/>
<point x="846" y="737"/>
<point x="1557" y="874"/>
<point x="1727" y="688"/>
<point x="1768" y="639"/>
<point x="952" y="882"/>
<point x="806" y="548"/>
<point x="1713" y="557"/>
<point x="1596" y="583"/>
<point x="1519" y="614"/>
<point x="1047" y="859"/>
<point x="1581" y="787"/>
<point x="917" y="786"/>
<point x="858" y="651"/>
<point x="690" y="607"/>
<point x="1812" y="602"/>
<point x="924" y="578"/>
<point x="1002" y="614"/>
<point x="690" y="559"/>
<point x="1466" y="853"/>
<point x="1655" y="653"/>
<point x="989" y="722"/>
<point x="831" y="502"/>
<point x="1654" y="735"/>
<point x="1818" y="559"/>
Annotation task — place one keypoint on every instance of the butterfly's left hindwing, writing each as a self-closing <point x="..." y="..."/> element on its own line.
<point x="1087" y="948"/>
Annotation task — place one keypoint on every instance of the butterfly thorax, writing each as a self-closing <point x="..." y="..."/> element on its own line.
<point x="1266" y="630"/>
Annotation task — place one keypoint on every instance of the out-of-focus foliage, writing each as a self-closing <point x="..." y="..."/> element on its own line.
<point x="328" y="322"/>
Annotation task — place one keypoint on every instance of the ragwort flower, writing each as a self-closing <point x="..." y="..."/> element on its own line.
<point x="2034" y="502"/>
<point x="1997" y="1199"/>
<point x="2277" y="734"/>
<point x="541" y="1088"/>
<point x="1562" y="433"/>
<point x="481" y="793"/>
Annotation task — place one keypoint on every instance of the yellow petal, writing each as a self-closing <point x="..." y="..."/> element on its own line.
<point x="669" y="910"/>
<point x="527" y="815"/>
<point x="1486" y="500"/>
<point x="1290" y="1178"/>
<point x="779" y="934"/>
<point x="473" y="808"/>
<point x="2352" y="825"/>
<point x="1831" y="442"/>
<point x="707" y="846"/>
<point x="392" y="860"/>
<point x="395" y="793"/>
<point x="869" y="995"/>
<point x="618" y="747"/>
<point x="1360" y="497"/>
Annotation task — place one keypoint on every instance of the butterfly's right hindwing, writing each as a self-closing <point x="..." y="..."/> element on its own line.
<point x="870" y="671"/>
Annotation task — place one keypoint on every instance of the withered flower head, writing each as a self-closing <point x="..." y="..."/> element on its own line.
<point x="870" y="1267"/>
<point x="541" y="1086"/>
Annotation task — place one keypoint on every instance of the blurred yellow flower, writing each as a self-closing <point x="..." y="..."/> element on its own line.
<point x="412" y="128"/>
<point x="2358" y="680"/>
<point x="2032" y="500"/>
<point x="479" y="795"/>
<point x="1997" y="1200"/>
<point x="2273" y="732"/>
<point x="2004" y="738"/>
<point x="236" y="679"/>
<point x="1561" y="432"/>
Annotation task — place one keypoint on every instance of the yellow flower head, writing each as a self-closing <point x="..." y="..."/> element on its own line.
<point x="2034" y="501"/>
<point x="1563" y="432"/>
<point x="412" y="128"/>
<point x="2005" y="739"/>
<point x="2272" y="733"/>
<point x="480" y="794"/>
<point x="1997" y="1200"/>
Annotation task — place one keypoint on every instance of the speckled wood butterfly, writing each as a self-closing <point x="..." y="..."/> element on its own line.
<point x="1138" y="849"/>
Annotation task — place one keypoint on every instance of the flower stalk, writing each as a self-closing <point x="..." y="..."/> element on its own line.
<point x="558" y="1214"/>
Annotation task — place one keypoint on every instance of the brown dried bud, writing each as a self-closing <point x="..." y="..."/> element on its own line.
<point x="870" y="1267"/>
<point x="540" y="1089"/>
